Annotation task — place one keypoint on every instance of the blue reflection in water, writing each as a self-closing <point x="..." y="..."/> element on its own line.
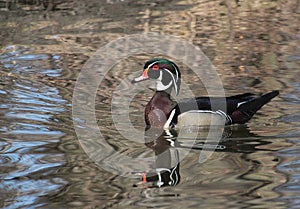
<point x="292" y="168"/>
<point x="27" y="192"/>
<point x="29" y="132"/>
<point x="290" y="164"/>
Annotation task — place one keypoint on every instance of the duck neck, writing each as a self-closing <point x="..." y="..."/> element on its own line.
<point x="161" y="87"/>
<point x="165" y="93"/>
<point x="161" y="100"/>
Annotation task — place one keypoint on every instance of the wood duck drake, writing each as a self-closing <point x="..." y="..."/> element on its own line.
<point x="162" y="112"/>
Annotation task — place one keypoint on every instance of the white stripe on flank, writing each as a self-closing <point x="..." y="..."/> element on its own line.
<point x="228" y="118"/>
<point x="240" y="103"/>
<point x="167" y="124"/>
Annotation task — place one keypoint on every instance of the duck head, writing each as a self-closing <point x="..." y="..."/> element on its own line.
<point x="165" y="72"/>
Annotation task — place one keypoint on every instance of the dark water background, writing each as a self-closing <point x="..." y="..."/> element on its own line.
<point x="43" y="45"/>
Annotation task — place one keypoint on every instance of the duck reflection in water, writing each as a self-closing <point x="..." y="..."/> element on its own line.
<point x="167" y="160"/>
<point x="166" y="145"/>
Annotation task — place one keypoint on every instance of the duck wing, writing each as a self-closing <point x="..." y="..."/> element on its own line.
<point x="240" y="107"/>
<point x="206" y="103"/>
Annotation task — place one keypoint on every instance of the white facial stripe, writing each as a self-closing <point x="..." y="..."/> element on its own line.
<point x="159" y="85"/>
<point x="149" y="66"/>
<point x="173" y="79"/>
<point x="176" y="70"/>
<point x="160" y="76"/>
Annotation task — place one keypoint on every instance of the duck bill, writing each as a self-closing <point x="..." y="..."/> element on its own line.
<point x="143" y="77"/>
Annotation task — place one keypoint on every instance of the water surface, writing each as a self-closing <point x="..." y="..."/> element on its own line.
<point x="254" y="47"/>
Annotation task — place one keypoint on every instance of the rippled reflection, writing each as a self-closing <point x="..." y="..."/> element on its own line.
<point x="29" y="110"/>
<point x="44" y="44"/>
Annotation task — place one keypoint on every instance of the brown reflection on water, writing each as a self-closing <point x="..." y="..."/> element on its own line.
<point x="254" y="46"/>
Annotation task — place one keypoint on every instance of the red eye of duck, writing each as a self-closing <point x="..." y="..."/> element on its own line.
<point x="155" y="67"/>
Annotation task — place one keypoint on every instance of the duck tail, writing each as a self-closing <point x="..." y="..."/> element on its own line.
<point x="247" y="109"/>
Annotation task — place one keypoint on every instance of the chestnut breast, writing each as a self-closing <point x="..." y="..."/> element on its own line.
<point x="158" y="109"/>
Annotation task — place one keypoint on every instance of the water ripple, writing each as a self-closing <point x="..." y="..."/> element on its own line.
<point x="29" y="132"/>
<point x="26" y="193"/>
<point x="290" y="167"/>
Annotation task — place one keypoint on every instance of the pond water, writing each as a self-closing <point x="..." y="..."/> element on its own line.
<point x="254" y="46"/>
